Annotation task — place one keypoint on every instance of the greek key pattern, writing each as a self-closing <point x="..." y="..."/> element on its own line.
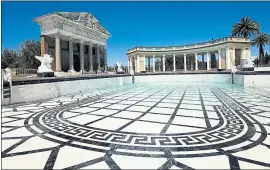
<point x="232" y="126"/>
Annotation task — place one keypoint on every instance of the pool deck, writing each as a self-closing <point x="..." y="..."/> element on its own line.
<point x="171" y="126"/>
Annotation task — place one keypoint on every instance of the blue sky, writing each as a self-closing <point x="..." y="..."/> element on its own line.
<point x="139" y="23"/>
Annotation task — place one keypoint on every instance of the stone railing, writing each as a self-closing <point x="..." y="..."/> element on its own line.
<point x="191" y="46"/>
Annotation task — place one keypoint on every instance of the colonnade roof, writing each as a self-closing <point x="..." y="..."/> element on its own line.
<point x="212" y="43"/>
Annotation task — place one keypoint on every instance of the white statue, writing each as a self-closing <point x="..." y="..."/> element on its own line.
<point x="248" y="63"/>
<point x="45" y="66"/>
<point x="7" y="75"/>
<point x="234" y="69"/>
<point x="119" y="67"/>
<point x="132" y="71"/>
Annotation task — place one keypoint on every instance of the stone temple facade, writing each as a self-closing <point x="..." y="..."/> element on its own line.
<point x="76" y="41"/>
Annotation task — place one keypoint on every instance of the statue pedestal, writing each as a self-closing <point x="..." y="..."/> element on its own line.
<point x="120" y="72"/>
<point x="46" y="74"/>
<point x="248" y="69"/>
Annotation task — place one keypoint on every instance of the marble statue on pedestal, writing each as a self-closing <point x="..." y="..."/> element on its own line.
<point x="248" y="65"/>
<point x="119" y="68"/>
<point x="7" y="75"/>
<point x="132" y="74"/>
<point x="44" y="70"/>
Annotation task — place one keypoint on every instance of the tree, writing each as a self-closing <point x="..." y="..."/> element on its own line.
<point x="213" y="61"/>
<point x="266" y="58"/>
<point x="29" y="50"/>
<point x="260" y="41"/>
<point x="9" y="59"/>
<point x="246" y="27"/>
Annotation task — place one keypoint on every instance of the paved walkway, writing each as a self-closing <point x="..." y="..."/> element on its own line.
<point x="144" y="126"/>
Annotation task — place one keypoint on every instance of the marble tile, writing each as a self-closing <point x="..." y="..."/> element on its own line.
<point x="182" y="129"/>
<point x="128" y="114"/>
<point x="189" y="121"/>
<point x="104" y="112"/>
<point x="70" y="156"/>
<point x="85" y="118"/>
<point x="128" y="162"/>
<point x="156" y="118"/>
<point x="109" y="123"/>
<point x="30" y="161"/>
<point x="213" y="162"/>
<point x="139" y="108"/>
<point x="171" y="105"/>
<point x="139" y="127"/>
<point x="168" y="111"/>
<point x="99" y="105"/>
<point x="84" y="110"/>
<point x="145" y="103"/>
<point x="185" y="112"/>
<point x="191" y="106"/>
<point x="118" y="106"/>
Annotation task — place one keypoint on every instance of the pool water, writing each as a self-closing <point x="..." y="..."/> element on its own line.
<point x="143" y="125"/>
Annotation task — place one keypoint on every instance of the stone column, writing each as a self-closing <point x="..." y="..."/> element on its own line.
<point x="233" y="57"/>
<point x="90" y="56"/>
<point x="131" y="65"/>
<point x="196" y="61"/>
<point x="105" y="58"/>
<point x="58" y="67"/>
<point x="174" y="68"/>
<point x="185" y="62"/>
<point x="164" y="63"/>
<point x="203" y="62"/>
<point x="144" y="63"/>
<point x="44" y="45"/>
<point x="208" y="61"/>
<point x="149" y="64"/>
<point x="98" y="56"/>
<point x="81" y="57"/>
<point x="128" y="64"/>
<point x="71" y="61"/>
<point x="135" y="63"/>
<point x="219" y="59"/>
<point x="138" y="63"/>
<point x="154" y="69"/>
<point x="227" y="58"/>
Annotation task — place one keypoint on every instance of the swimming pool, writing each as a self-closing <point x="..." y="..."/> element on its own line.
<point x="143" y="125"/>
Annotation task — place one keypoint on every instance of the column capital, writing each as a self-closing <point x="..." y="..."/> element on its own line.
<point x="81" y="41"/>
<point x="174" y="55"/>
<point x="154" y="55"/>
<point x="163" y="55"/>
<point x="56" y="36"/>
<point x="185" y="55"/>
<point x="219" y="50"/>
<point x="70" y="38"/>
<point x="195" y="53"/>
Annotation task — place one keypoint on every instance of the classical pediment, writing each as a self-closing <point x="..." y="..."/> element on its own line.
<point x="84" y="18"/>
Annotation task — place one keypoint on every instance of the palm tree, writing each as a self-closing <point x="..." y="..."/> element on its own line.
<point x="246" y="27"/>
<point x="261" y="40"/>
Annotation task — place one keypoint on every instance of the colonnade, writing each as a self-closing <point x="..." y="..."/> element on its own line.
<point x="58" y="67"/>
<point x="225" y="57"/>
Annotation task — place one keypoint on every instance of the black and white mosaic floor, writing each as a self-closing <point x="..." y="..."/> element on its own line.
<point x="141" y="126"/>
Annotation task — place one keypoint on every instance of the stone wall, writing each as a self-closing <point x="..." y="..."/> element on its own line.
<point x="42" y="91"/>
<point x="218" y="78"/>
